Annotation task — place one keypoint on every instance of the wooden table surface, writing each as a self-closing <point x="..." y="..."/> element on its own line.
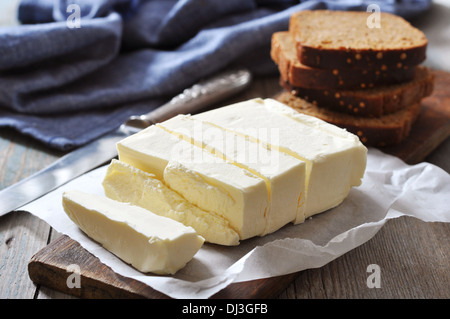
<point x="413" y="256"/>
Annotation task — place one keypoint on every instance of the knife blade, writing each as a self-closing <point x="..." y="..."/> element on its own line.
<point x="98" y="152"/>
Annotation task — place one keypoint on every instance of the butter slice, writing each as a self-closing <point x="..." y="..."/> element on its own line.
<point x="283" y="174"/>
<point x="126" y="183"/>
<point x="203" y="179"/>
<point x="335" y="159"/>
<point x="149" y="242"/>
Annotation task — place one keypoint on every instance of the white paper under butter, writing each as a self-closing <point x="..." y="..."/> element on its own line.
<point x="389" y="189"/>
<point x="149" y="242"/>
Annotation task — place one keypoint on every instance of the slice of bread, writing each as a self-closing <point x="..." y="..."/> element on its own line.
<point x="386" y="130"/>
<point x="283" y="53"/>
<point x="345" y="39"/>
<point x="371" y="102"/>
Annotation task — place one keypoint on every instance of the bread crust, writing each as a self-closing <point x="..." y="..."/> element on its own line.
<point x="390" y="129"/>
<point x="346" y="59"/>
<point x="300" y="75"/>
<point x="343" y="42"/>
<point x="369" y="103"/>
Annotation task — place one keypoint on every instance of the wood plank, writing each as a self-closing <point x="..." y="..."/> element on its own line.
<point x="432" y="126"/>
<point x="97" y="280"/>
<point x="44" y="292"/>
<point x="48" y="266"/>
<point x="21" y="234"/>
<point x="413" y="258"/>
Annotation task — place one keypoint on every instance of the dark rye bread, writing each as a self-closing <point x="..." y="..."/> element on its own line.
<point x="283" y="53"/>
<point x="371" y="102"/>
<point x="343" y="39"/>
<point x="386" y="130"/>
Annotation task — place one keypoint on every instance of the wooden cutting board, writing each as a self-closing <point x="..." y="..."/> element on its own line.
<point x="49" y="266"/>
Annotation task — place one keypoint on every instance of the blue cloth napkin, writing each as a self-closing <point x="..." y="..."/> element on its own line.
<point x="66" y="81"/>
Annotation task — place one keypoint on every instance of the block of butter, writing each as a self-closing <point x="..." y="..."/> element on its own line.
<point x="257" y="164"/>
<point x="207" y="181"/>
<point x="126" y="183"/>
<point x="149" y="242"/>
<point x="335" y="159"/>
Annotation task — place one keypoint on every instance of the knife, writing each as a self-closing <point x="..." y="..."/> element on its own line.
<point x="98" y="152"/>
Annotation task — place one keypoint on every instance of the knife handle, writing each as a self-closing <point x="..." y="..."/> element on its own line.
<point x="195" y="98"/>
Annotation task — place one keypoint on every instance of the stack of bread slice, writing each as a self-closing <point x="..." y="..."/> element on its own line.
<point x="334" y="66"/>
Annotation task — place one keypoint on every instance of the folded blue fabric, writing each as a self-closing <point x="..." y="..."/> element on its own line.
<point x="67" y="84"/>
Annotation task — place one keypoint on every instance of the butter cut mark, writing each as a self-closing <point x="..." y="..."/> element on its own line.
<point x="282" y="174"/>
<point x="302" y="175"/>
<point x="244" y="208"/>
<point x="148" y="242"/>
<point x="215" y="152"/>
<point x="126" y="183"/>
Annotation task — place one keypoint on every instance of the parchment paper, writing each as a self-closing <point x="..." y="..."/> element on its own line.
<point x="390" y="189"/>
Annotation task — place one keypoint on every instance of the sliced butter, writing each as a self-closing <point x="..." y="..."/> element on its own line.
<point x="126" y="183"/>
<point x="284" y="175"/>
<point x="203" y="179"/>
<point x="149" y="242"/>
<point x="335" y="159"/>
